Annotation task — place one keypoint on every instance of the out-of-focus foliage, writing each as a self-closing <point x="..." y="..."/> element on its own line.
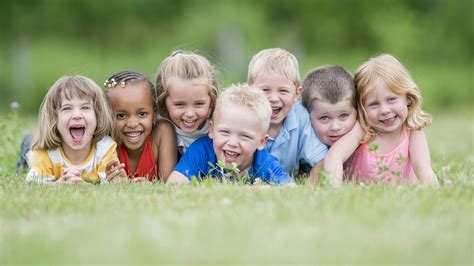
<point x="43" y="39"/>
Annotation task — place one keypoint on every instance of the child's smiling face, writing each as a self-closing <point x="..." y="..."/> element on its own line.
<point x="332" y="121"/>
<point x="386" y="111"/>
<point x="76" y="124"/>
<point x="236" y="132"/>
<point x="188" y="103"/>
<point x="134" y="113"/>
<point x="281" y="93"/>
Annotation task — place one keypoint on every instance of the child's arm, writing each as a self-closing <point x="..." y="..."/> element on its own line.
<point x="167" y="148"/>
<point x="177" y="178"/>
<point x="313" y="175"/>
<point x="420" y="158"/>
<point x="41" y="168"/>
<point x="340" y="151"/>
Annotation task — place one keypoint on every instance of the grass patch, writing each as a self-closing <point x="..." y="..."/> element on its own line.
<point x="217" y="223"/>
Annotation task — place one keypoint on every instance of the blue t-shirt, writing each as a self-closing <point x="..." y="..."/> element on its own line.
<point x="297" y="141"/>
<point x="195" y="162"/>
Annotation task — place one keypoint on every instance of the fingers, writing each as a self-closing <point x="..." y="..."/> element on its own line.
<point x="140" y="179"/>
<point x="75" y="180"/>
<point x="117" y="173"/>
<point x="70" y="179"/>
<point x="71" y="172"/>
<point x="70" y="176"/>
<point x="112" y="164"/>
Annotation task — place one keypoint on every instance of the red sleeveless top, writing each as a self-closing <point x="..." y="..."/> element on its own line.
<point x="146" y="166"/>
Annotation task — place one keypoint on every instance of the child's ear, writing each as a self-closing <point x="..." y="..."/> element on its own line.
<point x="263" y="141"/>
<point x="299" y="90"/>
<point x="211" y="129"/>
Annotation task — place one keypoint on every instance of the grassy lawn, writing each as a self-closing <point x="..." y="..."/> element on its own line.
<point x="234" y="224"/>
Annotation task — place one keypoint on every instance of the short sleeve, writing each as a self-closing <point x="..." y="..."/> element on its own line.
<point x="41" y="167"/>
<point x="311" y="149"/>
<point x="106" y="151"/>
<point x="194" y="161"/>
<point x="269" y="169"/>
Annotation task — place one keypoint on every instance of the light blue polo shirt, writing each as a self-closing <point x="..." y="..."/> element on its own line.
<point x="296" y="141"/>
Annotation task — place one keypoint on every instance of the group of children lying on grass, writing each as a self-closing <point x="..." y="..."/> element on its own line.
<point x="362" y="128"/>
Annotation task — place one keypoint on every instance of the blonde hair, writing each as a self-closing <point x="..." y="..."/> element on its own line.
<point x="274" y="60"/>
<point x="48" y="136"/>
<point x="396" y="77"/>
<point x="185" y="65"/>
<point x="246" y="96"/>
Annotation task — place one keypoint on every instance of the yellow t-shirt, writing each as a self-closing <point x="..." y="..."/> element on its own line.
<point x="46" y="165"/>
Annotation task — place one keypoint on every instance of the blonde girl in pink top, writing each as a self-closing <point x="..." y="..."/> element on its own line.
<point x="393" y="146"/>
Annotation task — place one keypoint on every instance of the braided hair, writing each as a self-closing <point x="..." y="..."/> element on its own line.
<point x="122" y="78"/>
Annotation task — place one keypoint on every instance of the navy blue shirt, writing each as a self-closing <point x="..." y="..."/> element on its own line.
<point x="195" y="163"/>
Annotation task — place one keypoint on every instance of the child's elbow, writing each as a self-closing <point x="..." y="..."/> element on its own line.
<point x="426" y="176"/>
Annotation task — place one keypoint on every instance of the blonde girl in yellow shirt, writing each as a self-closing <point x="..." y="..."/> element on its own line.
<point x="73" y="143"/>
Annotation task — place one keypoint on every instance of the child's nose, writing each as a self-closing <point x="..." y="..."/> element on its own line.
<point x="76" y="113"/>
<point x="272" y="97"/>
<point x="189" y="112"/>
<point x="132" y="122"/>
<point x="384" y="109"/>
<point x="232" y="141"/>
<point x="335" y="125"/>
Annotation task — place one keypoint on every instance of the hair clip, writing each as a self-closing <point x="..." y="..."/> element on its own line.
<point x="114" y="83"/>
<point x="106" y="83"/>
<point x="176" y="53"/>
<point x="122" y="84"/>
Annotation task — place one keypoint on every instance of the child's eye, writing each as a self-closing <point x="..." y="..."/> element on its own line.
<point x="392" y="99"/>
<point x="324" y="119"/>
<point x="120" y="116"/>
<point x="86" y="107"/>
<point x="224" y="132"/>
<point x="284" y="91"/>
<point x="142" y="114"/>
<point x="200" y="103"/>
<point x="246" y="137"/>
<point x="179" y="104"/>
<point x="65" y="108"/>
<point x="372" y="104"/>
<point x="344" y="116"/>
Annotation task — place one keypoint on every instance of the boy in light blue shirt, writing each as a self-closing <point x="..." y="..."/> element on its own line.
<point x="237" y="137"/>
<point x="291" y="136"/>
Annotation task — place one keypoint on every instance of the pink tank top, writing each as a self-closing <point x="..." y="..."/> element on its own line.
<point x="368" y="166"/>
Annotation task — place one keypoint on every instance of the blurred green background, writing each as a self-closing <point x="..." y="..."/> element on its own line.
<point x="45" y="39"/>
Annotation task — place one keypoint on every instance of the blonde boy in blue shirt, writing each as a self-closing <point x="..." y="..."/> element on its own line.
<point x="237" y="136"/>
<point x="291" y="137"/>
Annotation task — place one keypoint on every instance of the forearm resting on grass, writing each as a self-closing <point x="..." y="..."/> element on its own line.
<point x="420" y="158"/>
<point x="177" y="178"/>
<point x="339" y="152"/>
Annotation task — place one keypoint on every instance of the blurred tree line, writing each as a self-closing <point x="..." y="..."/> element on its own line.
<point x="44" y="39"/>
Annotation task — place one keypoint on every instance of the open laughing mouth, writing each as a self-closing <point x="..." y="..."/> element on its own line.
<point x="275" y="111"/>
<point x="189" y="123"/>
<point x="133" y="137"/>
<point x="388" y="121"/>
<point x="230" y="156"/>
<point x="77" y="133"/>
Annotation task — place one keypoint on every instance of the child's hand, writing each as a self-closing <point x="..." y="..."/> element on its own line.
<point x="114" y="171"/>
<point x="140" y="179"/>
<point x="70" y="176"/>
